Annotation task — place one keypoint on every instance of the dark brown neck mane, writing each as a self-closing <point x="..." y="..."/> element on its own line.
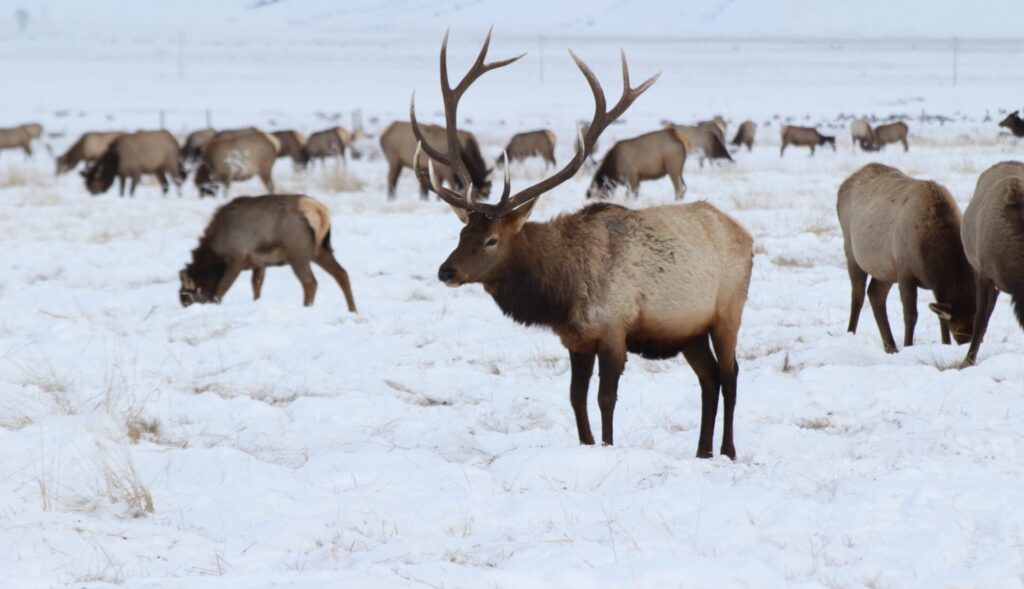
<point x="206" y="267"/>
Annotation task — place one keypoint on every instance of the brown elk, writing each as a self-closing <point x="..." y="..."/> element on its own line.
<point x="648" y="157"/>
<point x="133" y="155"/>
<point x="251" y="233"/>
<point x="532" y="143"/>
<point x="891" y="133"/>
<point x="903" y="231"/>
<point x="16" y="138"/>
<point x="804" y="137"/>
<point x="237" y="157"/>
<point x="745" y="135"/>
<point x="1014" y="123"/>
<point x="862" y="134"/>
<point x="607" y="280"/>
<point x="195" y="143"/>
<point x="89" y="148"/>
<point x="398" y="143"/>
<point x="707" y="139"/>
<point x="993" y="236"/>
<point x="327" y="143"/>
<point x="292" y="144"/>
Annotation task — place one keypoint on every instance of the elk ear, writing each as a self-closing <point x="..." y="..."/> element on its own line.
<point x="462" y="214"/>
<point x="186" y="281"/>
<point x="943" y="310"/>
<point x="517" y="218"/>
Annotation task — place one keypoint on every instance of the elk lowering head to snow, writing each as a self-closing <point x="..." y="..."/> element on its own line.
<point x="993" y="236"/>
<point x="251" y="233"/>
<point x="891" y="133"/>
<point x="237" y="157"/>
<point x="16" y="138"/>
<point x="89" y="148"/>
<point x="292" y="144"/>
<point x="900" y="230"/>
<point x="1014" y="123"/>
<point x="708" y="141"/>
<point x="195" y="143"/>
<point x="398" y="143"/>
<point x="804" y="137"/>
<point x="607" y="280"/>
<point x="131" y="156"/>
<point x="531" y="143"/>
<point x="745" y="135"/>
<point x="862" y="134"/>
<point x="647" y="157"/>
<point x="329" y="143"/>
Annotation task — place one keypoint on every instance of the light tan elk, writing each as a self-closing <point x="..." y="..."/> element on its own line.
<point x="35" y="130"/>
<point x="398" y="143"/>
<point x="745" y="135"/>
<point x="292" y="144"/>
<point x="862" y="134"/>
<point x="236" y="157"/>
<point x="532" y="143"/>
<point x="89" y="148"/>
<point x="133" y="155"/>
<point x="804" y="137"/>
<point x="708" y="141"/>
<point x="903" y="231"/>
<point x="607" y="280"/>
<point x="16" y="138"/>
<point x="993" y="235"/>
<point x="195" y="143"/>
<point x="251" y="233"/>
<point x="329" y="143"/>
<point x="891" y="133"/>
<point x="648" y="157"/>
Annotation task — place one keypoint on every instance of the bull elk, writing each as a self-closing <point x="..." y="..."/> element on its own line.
<point x="235" y="157"/>
<point x="993" y="236"/>
<point x="133" y="155"/>
<point x="89" y="148"/>
<point x="607" y="280"/>
<point x="804" y="137"/>
<point x="648" y="157"/>
<point x="899" y="230"/>
<point x="530" y="144"/>
<point x="398" y="144"/>
<point x="251" y="233"/>
<point x="745" y="135"/>
<point x="1014" y="123"/>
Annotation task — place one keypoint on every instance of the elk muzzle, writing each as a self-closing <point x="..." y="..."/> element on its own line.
<point x="446" y="274"/>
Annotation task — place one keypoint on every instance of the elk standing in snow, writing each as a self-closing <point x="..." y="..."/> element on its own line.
<point x="398" y="144"/>
<point x="532" y="143"/>
<point x="647" y="157"/>
<point x="899" y="230"/>
<point x="862" y="134"/>
<point x="16" y="138"/>
<point x="237" y="157"/>
<point x="292" y="143"/>
<point x="745" y="135"/>
<point x="89" y="148"/>
<point x="804" y="137"/>
<point x="195" y="143"/>
<point x="133" y="155"/>
<point x="607" y="280"/>
<point x="251" y="233"/>
<point x="891" y="133"/>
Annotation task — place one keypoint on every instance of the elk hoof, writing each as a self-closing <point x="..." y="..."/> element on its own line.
<point x="890" y="349"/>
<point x="967" y="363"/>
<point x="729" y="451"/>
<point x="704" y="454"/>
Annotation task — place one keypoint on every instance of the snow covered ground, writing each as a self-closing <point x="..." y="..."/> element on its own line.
<point x="428" y="440"/>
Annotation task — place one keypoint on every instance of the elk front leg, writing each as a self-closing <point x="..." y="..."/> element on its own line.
<point x="582" y="365"/>
<point x="908" y="296"/>
<point x="944" y="331"/>
<point x="393" y="171"/>
<point x="120" y="185"/>
<point x="234" y="268"/>
<point x="985" y="301"/>
<point x="611" y="361"/>
<point x="698" y="355"/>
<point x="135" y="183"/>
<point x="878" y="291"/>
<point x="257" y="282"/>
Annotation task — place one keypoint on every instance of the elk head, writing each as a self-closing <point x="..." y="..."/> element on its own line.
<point x="960" y="320"/>
<point x="1009" y="121"/>
<point x="490" y="230"/>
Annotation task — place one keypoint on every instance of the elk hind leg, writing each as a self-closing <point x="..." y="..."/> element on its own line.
<point x="305" y="275"/>
<point x="723" y="338"/>
<point x="582" y="369"/>
<point x="611" y="360"/>
<point x="985" y="304"/>
<point x="394" y="169"/>
<point x="257" y="282"/>
<point x="858" y="286"/>
<point x="702" y="361"/>
<point x="878" y="291"/>
<point x="326" y="260"/>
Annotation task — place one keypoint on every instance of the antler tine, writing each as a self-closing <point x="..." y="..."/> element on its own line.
<point x="449" y="196"/>
<point x="432" y="153"/>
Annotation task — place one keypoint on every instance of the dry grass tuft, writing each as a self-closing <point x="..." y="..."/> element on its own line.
<point x="122" y="484"/>
<point x="339" y="179"/>
<point x="788" y="262"/>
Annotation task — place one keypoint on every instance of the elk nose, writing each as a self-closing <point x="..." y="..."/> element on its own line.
<point x="446" y="273"/>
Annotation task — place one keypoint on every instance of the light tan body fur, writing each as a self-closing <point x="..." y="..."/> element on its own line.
<point x="16" y="138"/>
<point x="707" y="141"/>
<point x="89" y="148"/>
<point x="899" y="230"/>
<point x="647" y="157"/>
<point x="803" y="137"/>
<point x="398" y="145"/>
<point x="133" y="155"/>
<point x="993" y="237"/>
<point x="236" y="158"/>
<point x="745" y="134"/>
<point x="532" y="143"/>
<point x="35" y="130"/>
<point x="861" y="133"/>
<point x="892" y="133"/>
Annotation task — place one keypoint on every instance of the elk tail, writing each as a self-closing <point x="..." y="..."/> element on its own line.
<point x="682" y="138"/>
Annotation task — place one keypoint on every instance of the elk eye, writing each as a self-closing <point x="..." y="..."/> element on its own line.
<point x="491" y="241"/>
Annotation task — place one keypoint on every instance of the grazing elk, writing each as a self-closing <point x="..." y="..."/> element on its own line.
<point x="237" y="157"/>
<point x="327" y="143"/>
<point x="89" y="148"/>
<point x="900" y="230"/>
<point x="195" y="143"/>
<point x="647" y="157"/>
<point x="398" y="143"/>
<point x="804" y="137"/>
<point x="253" y="232"/>
<point x="745" y="135"/>
<point x="292" y="145"/>
<point x="891" y="133"/>
<point x="35" y="130"/>
<point x="1014" y="123"/>
<point x="133" y="155"/>
<point x="16" y="138"/>
<point x="532" y="143"/>
<point x="707" y="139"/>
<point x="993" y="236"/>
<point x="862" y="134"/>
<point x="607" y="280"/>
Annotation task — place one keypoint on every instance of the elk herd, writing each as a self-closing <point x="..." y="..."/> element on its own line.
<point x="606" y="279"/>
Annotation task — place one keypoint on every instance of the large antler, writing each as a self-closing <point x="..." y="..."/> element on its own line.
<point x="585" y="141"/>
